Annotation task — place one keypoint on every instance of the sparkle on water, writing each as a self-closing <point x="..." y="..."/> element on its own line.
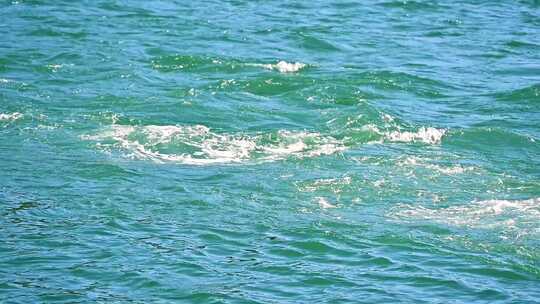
<point x="270" y="151"/>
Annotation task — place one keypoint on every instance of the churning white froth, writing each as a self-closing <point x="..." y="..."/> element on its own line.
<point x="10" y="117"/>
<point x="198" y="145"/>
<point x="512" y="217"/>
<point x="425" y="135"/>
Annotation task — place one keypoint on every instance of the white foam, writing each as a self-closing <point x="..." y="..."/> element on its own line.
<point x="426" y="135"/>
<point x="10" y="117"/>
<point x="448" y="170"/>
<point x="302" y="144"/>
<point x="457" y="169"/>
<point x="505" y="215"/>
<point x="206" y="147"/>
<point x="323" y="203"/>
<point x="333" y="184"/>
<point x="285" y="67"/>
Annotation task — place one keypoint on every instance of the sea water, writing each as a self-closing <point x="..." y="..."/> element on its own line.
<point x="269" y="151"/>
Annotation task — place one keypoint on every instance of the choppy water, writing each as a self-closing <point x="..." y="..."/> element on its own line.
<point x="270" y="151"/>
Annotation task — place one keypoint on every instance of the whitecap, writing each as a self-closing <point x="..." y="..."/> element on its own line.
<point x="283" y="66"/>
<point x="10" y="117"/>
<point x="198" y="145"/>
<point x="426" y="135"/>
<point x="452" y="170"/>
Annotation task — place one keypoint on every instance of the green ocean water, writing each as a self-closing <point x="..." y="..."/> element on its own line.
<point x="270" y="151"/>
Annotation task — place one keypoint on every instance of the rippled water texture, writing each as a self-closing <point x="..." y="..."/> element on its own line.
<point x="270" y="151"/>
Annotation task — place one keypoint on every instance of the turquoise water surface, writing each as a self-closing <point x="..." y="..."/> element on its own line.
<point x="270" y="151"/>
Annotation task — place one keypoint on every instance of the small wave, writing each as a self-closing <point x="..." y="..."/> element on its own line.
<point x="426" y="135"/>
<point x="195" y="63"/>
<point x="198" y="145"/>
<point x="528" y="95"/>
<point x="10" y="117"/>
<point x="201" y="63"/>
<point x="285" y="67"/>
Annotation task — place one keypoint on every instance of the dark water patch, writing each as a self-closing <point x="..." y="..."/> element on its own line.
<point x="496" y="273"/>
<point x="195" y="63"/>
<point x="345" y="5"/>
<point x="50" y="32"/>
<point x="492" y="137"/>
<point x="310" y="42"/>
<point x="352" y="88"/>
<point x="443" y="33"/>
<point x="520" y="70"/>
<point x="517" y="44"/>
<point x="101" y="171"/>
<point x="294" y="6"/>
<point x="117" y="8"/>
<point x="528" y="95"/>
<point x="495" y="145"/>
<point x="399" y="81"/>
<point x="272" y="84"/>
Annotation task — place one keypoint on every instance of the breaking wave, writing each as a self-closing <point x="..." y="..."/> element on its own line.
<point x="285" y="67"/>
<point x="198" y="145"/>
<point x="200" y="63"/>
<point x="426" y="135"/>
<point x="10" y="117"/>
<point x="281" y="66"/>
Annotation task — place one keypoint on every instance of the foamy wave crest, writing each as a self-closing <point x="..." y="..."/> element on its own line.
<point x="285" y="67"/>
<point x="198" y="145"/>
<point x="506" y="215"/>
<point x="10" y="117"/>
<point x="426" y="135"/>
<point x="419" y="162"/>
